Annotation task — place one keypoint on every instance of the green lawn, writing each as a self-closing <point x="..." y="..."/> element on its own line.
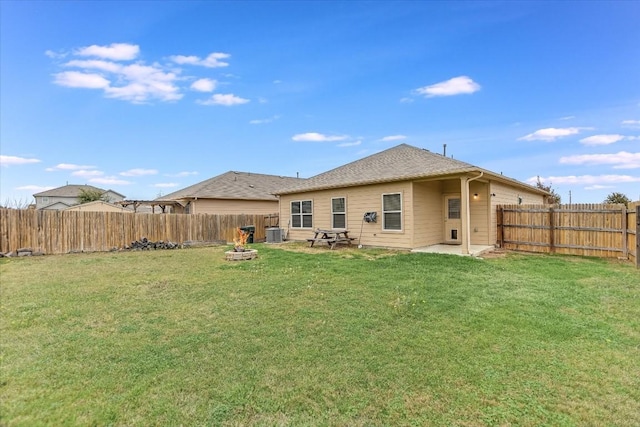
<point x="317" y="337"/>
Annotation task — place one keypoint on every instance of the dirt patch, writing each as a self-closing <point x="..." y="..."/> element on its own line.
<point x="494" y="253"/>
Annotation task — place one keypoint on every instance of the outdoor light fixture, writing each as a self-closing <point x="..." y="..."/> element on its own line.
<point x="475" y="196"/>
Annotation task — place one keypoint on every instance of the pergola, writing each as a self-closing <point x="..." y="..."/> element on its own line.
<point x="153" y="203"/>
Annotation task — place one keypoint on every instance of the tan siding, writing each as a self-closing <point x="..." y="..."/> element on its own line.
<point x="423" y="211"/>
<point x="506" y="195"/>
<point x="428" y="211"/>
<point x="234" y="207"/>
<point x="479" y="213"/>
<point x="452" y="186"/>
<point x="359" y="200"/>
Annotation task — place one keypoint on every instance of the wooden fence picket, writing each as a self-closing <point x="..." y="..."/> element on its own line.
<point x="601" y="230"/>
<point x="58" y="232"/>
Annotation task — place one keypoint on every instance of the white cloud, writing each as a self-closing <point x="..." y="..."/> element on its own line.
<point x="81" y="80"/>
<point x="455" y="86"/>
<point x="204" y="85"/>
<point x="109" y="180"/>
<point x="631" y="123"/>
<point x="263" y="121"/>
<point x="227" y="99"/>
<point x="587" y="179"/>
<point x="34" y="188"/>
<point x="115" y="51"/>
<point x="87" y="173"/>
<point x="599" y="187"/>
<point x="393" y="138"/>
<point x="602" y="139"/>
<point x="139" y="93"/>
<point x="211" y="61"/>
<point x="145" y="82"/>
<point x="165" y="185"/>
<point x="136" y="82"/>
<point x="54" y="55"/>
<point x="139" y="172"/>
<point x="406" y="100"/>
<point x="182" y="174"/>
<point x="567" y="117"/>
<point x="318" y="137"/>
<point x="68" y="167"/>
<point x="550" y="134"/>
<point x="139" y="82"/>
<point x="350" y="144"/>
<point x="14" y="160"/>
<point x="95" y="64"/>
<point x="621" y="160"/>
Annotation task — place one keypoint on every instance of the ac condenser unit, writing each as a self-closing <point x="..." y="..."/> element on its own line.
<point x="274" y="235"/>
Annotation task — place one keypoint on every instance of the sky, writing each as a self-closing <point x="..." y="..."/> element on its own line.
<point x="146" y="98"/>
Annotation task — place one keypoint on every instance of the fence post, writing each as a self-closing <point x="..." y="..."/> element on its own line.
<point x="501" y="226"/>
<point x="552" y="233"/>
<point x="625" y="245"/>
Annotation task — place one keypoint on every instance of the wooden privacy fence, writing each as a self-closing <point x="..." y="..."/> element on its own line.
<point x="57" y="232"/>
<point x="601" y="230"/>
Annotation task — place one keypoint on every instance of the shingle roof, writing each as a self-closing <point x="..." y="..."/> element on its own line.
<point x="69" y="191"/>
<point x="399" y="163"/>
<point x="234" y="185"/>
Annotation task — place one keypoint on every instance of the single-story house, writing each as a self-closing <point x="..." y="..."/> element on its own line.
<point x="97" y="206"/>
<point x="411" y="197"/>
<point x="231" y="193"/>
<point x="63" y="197"/>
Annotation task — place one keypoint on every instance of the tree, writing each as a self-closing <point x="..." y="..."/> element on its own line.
<point x="616" y="197"/>
<point x="89" y="195"/>
<point x="554" y="198"/>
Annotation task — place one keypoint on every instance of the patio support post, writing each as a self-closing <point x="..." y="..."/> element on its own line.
<point x="466" y="213"/>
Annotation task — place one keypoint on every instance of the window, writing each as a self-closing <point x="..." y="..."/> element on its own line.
<point x="339" y="212"/>
<point x="302" y="214"/>
<point x="453" y="207"/>
<point x="45" y="200"/>
<point x="392" y="211"/>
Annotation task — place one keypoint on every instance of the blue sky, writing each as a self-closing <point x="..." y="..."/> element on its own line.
<point x="146" y="98"/>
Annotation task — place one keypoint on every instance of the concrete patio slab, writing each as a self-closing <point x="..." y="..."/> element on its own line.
<point x="474" y="250"/>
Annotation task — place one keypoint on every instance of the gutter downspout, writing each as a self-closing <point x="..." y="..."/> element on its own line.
<point x="467" y="240"/>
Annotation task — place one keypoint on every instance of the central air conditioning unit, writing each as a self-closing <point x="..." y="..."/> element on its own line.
<point x="275" y="235"/>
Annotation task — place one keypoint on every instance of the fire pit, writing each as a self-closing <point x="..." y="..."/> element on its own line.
<point x="247" y="254"/>
<point x="240" y="252"/>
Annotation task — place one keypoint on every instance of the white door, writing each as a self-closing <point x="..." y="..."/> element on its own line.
<point x="452" y="222"/>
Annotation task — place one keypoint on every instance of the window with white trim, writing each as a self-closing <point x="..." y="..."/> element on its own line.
<point x="302" y="214"/>
<point x="338" y="212"/>
<point x="392" y="212"/>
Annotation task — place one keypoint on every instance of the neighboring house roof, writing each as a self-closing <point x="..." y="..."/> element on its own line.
<point x="234" y="185"/>
<point x="400" y="163"/>
<point x="97" y="206"/>
<point x="58" y="206"/>
<point x="71" y="191"/>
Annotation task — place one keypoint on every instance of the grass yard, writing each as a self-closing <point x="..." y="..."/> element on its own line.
<point x="305" y="337"/>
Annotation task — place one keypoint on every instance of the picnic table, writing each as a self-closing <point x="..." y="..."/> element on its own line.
<point x="331" y="237"/>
